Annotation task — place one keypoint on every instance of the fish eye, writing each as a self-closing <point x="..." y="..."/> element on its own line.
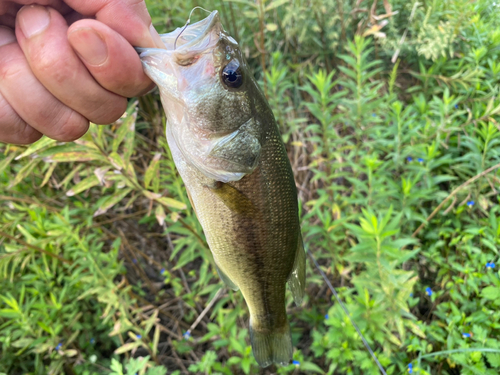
<point x="232" y="75"/>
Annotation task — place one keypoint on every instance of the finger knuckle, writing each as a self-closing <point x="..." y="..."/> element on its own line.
<point x="133" y="87"/>
<point x="69" y="125"/>
<point x="9" y="119"/>
<point x="11" y="70"/>
<point x="51" y="66"/>
<point x="140" y="8"/>
<point x="13" y="129"/>
<point x="24" y="134"/>
<point x="108" y="110"/>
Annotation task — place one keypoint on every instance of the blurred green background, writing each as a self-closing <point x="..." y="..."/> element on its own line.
<point x="390" y="114"/>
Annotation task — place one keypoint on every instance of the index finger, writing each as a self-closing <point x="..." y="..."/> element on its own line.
<point x="130" y="18"/>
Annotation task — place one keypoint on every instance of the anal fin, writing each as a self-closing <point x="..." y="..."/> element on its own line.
<point x="297" y="278"/>
<point x="226" y="280"/>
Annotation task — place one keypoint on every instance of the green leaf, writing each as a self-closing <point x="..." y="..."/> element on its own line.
<point x="83" y="185"/>
<point x="116" y="160"/>
<point x="74" y="156"/>
<point x="128" y="142"/>
<point x="136" y="365"/>
<point x="128" y="125"/>
<point x="6" y="162"/>
<point x="128" y="347"/>
<point x="38" y="145"/>
<point x="245" y="2"/>
<point x="276" y="3"/>
<point x="245" y="365"/>
<point x="70" y="352"/>
<point x="24" y="172"/>
<point x="169" y="202"/>
<point x="152" y="170"/>
<point x="157" y="370"/>
<point x="491" y="293"/>
<point x="309" y="366"/>
<point x="48" y="174"/>
<point x="271" y="27"/>
<point x="22" y="343"/>
<point x="112" y="200"/>
<point x="493" y="359"/>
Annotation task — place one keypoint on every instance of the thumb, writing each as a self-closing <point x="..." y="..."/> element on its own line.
<point x="130" y="18"/>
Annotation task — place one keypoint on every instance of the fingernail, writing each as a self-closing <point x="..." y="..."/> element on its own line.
<point x="33" y="20"/>
<point x="90" y="45"/>
<point x="7" y="36"/>
<point x="156" y="37"/>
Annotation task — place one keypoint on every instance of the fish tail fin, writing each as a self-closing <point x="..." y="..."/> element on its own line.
<point x="271" y="346"/>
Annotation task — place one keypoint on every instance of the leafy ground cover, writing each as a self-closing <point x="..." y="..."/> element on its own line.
<point x="390" y="114"/>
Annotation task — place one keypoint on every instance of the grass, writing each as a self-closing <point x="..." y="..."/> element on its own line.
<point x="104" y="266"/>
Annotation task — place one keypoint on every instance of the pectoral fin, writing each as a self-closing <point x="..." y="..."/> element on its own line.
<point x="226" y="280"/>
<point x="240" y="150"/>
<point x="297" y="278"/>
<point x="234" y="199"/>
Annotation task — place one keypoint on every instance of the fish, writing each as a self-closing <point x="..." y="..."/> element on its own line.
<point x="228" y="150"/>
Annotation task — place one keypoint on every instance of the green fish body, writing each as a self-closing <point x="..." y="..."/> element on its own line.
<point x="228" y="150"/>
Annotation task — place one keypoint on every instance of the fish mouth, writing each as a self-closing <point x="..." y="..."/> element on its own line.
<point x="189" y="39"/>
<point x="183" y="47"/>
<point x="192" y="35"/>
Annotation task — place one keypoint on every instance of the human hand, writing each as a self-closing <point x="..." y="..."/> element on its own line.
<point x="54" y="79"/>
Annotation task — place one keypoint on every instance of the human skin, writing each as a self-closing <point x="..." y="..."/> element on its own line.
<point x="65" y="63"/>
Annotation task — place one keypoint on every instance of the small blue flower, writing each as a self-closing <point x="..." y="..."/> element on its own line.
<point x="409" y="159"/>
<point x="410" y="368"/>
<point x="162" y="271"/>
<point x="465" y="334"/>
<point x="326" y="316"/>
<point x="134" y="261"/>
<point x="92" y="341"/>
<point x="420" y="160"/>
<point x="59" y="346"/>
<point x="186" y="335"/>
<point x="470" y="203"/>
<point x="340" y="87"/>
<point x="411" y="294"/>
<point x="428" y="290"/>
<point x="138" y="337"/>
<point x="374" y="115"/>
<point x="296" y="363"/>
<point x="490" y="265"/>
<point x="456" y="106"/>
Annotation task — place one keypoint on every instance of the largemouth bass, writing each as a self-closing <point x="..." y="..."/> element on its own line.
<point x="228" y="150"/>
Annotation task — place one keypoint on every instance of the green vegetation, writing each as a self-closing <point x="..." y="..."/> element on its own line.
<point x="104" y="267"/>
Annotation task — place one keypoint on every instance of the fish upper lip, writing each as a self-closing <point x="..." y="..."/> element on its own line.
<point x="198" y="31"/>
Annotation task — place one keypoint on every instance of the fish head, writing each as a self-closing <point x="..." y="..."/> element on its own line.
<point x="208" y="94"/>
